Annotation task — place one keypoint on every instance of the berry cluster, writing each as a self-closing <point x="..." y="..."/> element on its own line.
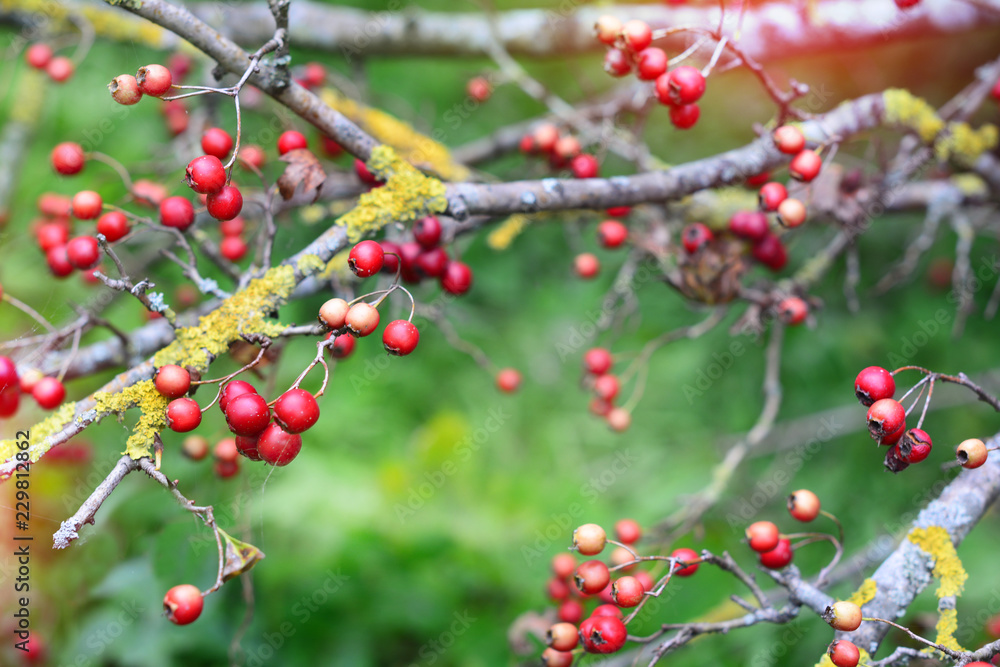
<point x="630" y="50"/>
<point x="48" y="392"/>
<point x="875" y="388"/>
<point x="597" y="365"/>
<point x="424" y="257"/>
<point x="561" y="150"/>
<point x="41" y="56"/>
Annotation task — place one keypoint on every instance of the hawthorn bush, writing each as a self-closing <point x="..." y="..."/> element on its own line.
<point x="634" y="257"/>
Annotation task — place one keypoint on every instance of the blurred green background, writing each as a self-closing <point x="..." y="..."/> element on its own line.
<point x="377" y="556"/>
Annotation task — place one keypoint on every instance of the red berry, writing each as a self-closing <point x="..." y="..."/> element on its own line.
<point x="628" y="531"/>
<point x="619" y="419"/>
<point x="226" y="469"/>
<point x="599" y="407"/>
<point x="226" y="450"/>
<point x="58" y="260"/>
<point x="894" y="437"/>
<point x="770" y="252"/>
<point x="60" y="69"/>
<point x="479" y="89"/>
<point x="778" y="557"/>
<point x="49" y="393"/>
<point x="172" y="381"/>
<point x="758" y="180"/>
<point x="366" y="258"/>
<point x="125" y="90"/>
<point x="343" y="345"/>
<point x="597" y="360"/>
<point x="390" y="257"/>
<point x="333" y="313"/>
<point x="606" y="387"/>
<point x="873" y="384"/>
<point x="408" y="254"/>
<point x="570" y="611"/>
<point x="9" y="401"/>
<point x="457" y="277"/>
<point x="195" y="447"/>
<point x="686" y="85"/>
<point x="83" y="252"/>
<point x="563" y="565"/>
<point x="225" y="204"/>
<point x="183" y="415"/>
<point x="844" y="616"/>
<point x="915" y="446"/>
<point x="546" y="136"/>
<point x="366" y="176"/>
<point x="247" y="414"/>
<point x="971" y="453"/>
<point x="607" y="28"/>
<point x="290" y="140"/>
<point x="313" y="75"/>
<point x="884" y="417"/>
<point x="906" y="4"/>
<point x="179" y="64"/>
<point x="562" y="636"/>
<point x="608" y="609"/>
<point x="154" y="80"/>
<point x="685" y="555"/>
<point x="567" y="147"/>
<point x="695" y="236"/>
<point x="527" y="144"/>
<point x="427" y="232"/>
<point x="247" y="446"/>
<point x="586" y="265"/>
<point x="603" y="634"/>
<point x="627" y="591"/>
<point x="38" y="55"/>
<point x="432" y="263"/>
<point x="216" y="142"/>
<point x="805" y="166"/>
<point x="763" y="536"/>
<point x="147" y="193"/>
<point x="558" y="590"/>
<point x="750" y="225"/>
<point x="205" y="174"/>
<point x="330" y="147"/>
<point x="844" y="653"/>
<point x="176" y="212"/>
<point x="684" y="117"/>
<point x="253" y="156"/>
<point x="361" y="319"/>
<point x="233" y="248"/>
<point x="619" y="211"/>
<point x="183" y="604"/>
<point x="652" y="62"/>
<point x="554" y="658"/>
<point x="791" y="212"/>
<point x="51" y="204"/>
<point x="296" y="411"/>
<point x="278" y="447"/>
<point x="400" y="338"/>
<point x="114" y="225"/>
<point x="995" y="92"/>
<point x="508" y="380"/>
<point x="8" y="374"/>
<point x="584" y="166"/>
<point x="591" y="577"/>
<point x="771" y="195"/>
<point x="789" y="139"/>
<point x="233" y="389"/>
<point x="232" y="227"/>
<point x="803" y="505"/>
<point x="611" y="233"/>
<point x="617" y="62"/>
<point x="793" y="310"/>
<point x="87" y="205"/>
<point x="637" y="35"/>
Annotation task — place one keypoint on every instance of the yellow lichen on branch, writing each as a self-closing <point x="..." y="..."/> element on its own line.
<point x="948" y="568"/>
<point x="39" y="433"/>
<point x="105" y="21"/>
<point x="417" y="148"/>
<point x="406" y="196"/>
<point x="951" y="141"/>
<point x="946" y="626"/>
<point x="866" y="593"/>
<point x="30" y="97"/>
<point x="152" y="418"/>
<point x="504" y="234"/>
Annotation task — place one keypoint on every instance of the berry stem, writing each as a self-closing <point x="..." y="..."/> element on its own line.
<point x="927" y="401"/>
<point x="114" y="164"/>
<point x="944" y="649"/>
<point x="28" y="310"/>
